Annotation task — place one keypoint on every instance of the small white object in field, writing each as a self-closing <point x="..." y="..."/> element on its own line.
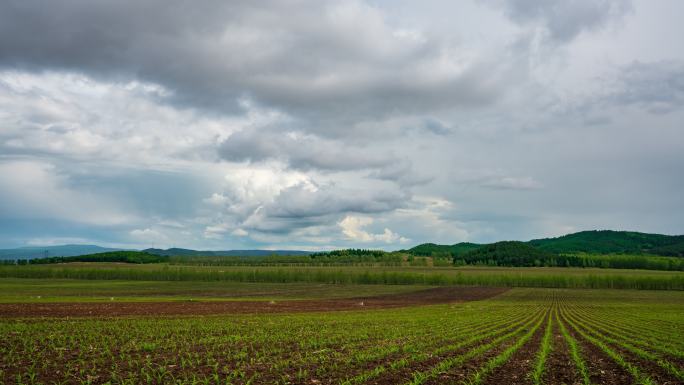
<point x="272" y="303"/>
<point x="361" y="303"/>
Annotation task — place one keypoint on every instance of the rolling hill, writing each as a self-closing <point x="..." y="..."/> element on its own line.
<point x="609" y="242"/>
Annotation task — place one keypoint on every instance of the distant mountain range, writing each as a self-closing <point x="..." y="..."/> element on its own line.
<point x="33" y="252"/>
<point x="595" y="241"/>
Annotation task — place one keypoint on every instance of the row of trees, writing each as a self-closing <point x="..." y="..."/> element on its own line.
<point x="519" y="254"/>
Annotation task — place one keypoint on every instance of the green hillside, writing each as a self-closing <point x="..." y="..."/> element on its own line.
<point x="610" y="242"/>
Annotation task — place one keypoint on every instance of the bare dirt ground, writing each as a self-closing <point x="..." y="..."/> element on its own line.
<point x="115" y="309"/>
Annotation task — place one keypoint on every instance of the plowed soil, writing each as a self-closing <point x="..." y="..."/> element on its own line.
<point x="115" y="309"/>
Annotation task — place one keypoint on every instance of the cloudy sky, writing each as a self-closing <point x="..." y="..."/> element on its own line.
<point x="314" y="124"/>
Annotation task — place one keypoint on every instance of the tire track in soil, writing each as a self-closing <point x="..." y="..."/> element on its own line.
<point x="602" y="369"/>
<point x="560" y="368"/>
<point x="520" y="365"/>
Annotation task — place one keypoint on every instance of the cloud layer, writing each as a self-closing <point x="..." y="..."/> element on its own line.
<point x="315" y="125"/>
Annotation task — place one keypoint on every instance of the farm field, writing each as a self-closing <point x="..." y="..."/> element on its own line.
<point x="519" y="335"/>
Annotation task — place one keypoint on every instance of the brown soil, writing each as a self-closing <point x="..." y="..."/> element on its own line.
<point x="115" y="309"/>
<point x="560" y="366"/>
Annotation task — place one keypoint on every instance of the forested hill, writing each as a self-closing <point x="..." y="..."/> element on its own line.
<point x="507" y="253"/>
<point x="609" y="242"/>
<point x="593" y="242"/>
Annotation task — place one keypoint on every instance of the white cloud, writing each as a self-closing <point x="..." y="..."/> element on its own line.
<point x="353" y="228"/>
<point x="447" y="121"/>
<point x="239" y="233"/>
<point x="147" y="233"/>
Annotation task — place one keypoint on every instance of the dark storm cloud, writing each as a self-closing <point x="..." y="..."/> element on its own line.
<point x="299" y="151"/>
<point x="307" y="152"/>
<point x="311" y="57"/>
<point x="565" y="19"/>
<point x="301" y="201"/>
<point x="305" y="205"/>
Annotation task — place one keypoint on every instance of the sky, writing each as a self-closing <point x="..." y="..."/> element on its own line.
<point x="313" y="125"/>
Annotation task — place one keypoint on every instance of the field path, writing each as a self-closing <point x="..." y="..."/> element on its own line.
<point x="115" y="309"/>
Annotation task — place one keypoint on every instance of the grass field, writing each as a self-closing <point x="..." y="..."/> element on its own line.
<point x="525" y="335"/>
<point x="430" y="276"/>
